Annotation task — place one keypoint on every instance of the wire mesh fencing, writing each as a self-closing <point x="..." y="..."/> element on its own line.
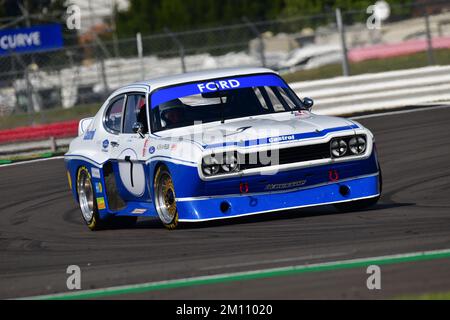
<point x="85" y="73"/>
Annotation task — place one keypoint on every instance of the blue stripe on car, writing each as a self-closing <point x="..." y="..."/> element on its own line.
<point x="171" y="93"/>
<point x="296" y="137"/>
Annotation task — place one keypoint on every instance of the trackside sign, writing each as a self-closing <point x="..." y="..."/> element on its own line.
<point x="33" y="39"/>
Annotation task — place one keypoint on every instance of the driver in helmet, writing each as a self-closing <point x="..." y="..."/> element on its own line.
<point x="173" y="113"/>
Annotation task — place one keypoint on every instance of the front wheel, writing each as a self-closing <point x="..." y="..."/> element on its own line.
<point x="165" y="200"/>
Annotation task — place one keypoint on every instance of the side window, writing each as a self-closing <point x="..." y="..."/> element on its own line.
<point x="113" y="117"/>
<point x="135" y="111"/>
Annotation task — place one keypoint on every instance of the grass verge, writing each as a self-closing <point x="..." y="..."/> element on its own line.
<point x="427" y="296"/>
<point x="48" y="116"/>
<point x="34" y="156"/>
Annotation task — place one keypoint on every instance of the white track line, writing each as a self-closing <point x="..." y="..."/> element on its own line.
<point x="393" y="113"/>
<point x="218" y="278"/>
<point x="262" y="262"/>
<point x="30" y="161"/>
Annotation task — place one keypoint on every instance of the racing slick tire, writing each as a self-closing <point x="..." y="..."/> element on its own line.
<point x="360" y="204"/>
<point x="165" y="200"/>
<point x="86" y="199"/>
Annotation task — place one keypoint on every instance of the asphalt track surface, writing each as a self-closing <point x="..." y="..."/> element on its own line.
<point x="41" y="233"/>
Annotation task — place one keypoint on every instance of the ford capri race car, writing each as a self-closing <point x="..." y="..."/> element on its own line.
<point x="213" y="145"/>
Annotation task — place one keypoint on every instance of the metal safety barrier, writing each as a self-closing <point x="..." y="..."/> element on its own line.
<point x="337" y="96"/>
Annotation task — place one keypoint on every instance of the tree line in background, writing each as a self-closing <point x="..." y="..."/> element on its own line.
<point x="153" y="16"/>
<point x="17" y="8"/>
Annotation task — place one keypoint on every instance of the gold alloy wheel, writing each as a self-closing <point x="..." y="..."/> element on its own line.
<point x="86" y="199"/>
<point x="165" y="199"/>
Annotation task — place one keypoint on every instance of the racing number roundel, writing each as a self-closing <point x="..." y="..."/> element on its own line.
<point x="132" y="173"/>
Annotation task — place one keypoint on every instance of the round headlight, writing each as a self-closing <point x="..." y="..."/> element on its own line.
<point x="338" y="148"/>
<point x="231" y="163"/>
<point x="210" y="166"/>
<point x="357" y="145"/>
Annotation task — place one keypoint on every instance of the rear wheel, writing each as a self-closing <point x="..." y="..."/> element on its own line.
<point x="86" y="199"/>
<point x="165" y="200"/>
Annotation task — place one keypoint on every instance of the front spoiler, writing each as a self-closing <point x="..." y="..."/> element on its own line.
<point x="206" y="209"/>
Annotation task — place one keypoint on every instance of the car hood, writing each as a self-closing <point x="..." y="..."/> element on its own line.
<point x="261" y="129"/>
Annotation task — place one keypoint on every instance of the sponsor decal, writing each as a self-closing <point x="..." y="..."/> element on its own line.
<point x="95" y="172"/>
<point x="218" y="85"/>
<point x="152" y="150"/>
<point x="69" y="179"/>
<point x="168" y="94"/>
<point x="101" y="203"/>
<point x="98" y="187"/>
<point x="139" y="211"/>
<point x="280" y="186"/>
<point x="243" y="187"/>
<point x="333" y="175"/>
<point x="105" y="144"/>
<point x="89" y="135"/>
<point x="163" y="146"/>
<point x="144" y="150"/>
<point x="282" y="138"/>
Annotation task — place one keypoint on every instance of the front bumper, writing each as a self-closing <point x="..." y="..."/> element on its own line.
<point x="211" y="208"/>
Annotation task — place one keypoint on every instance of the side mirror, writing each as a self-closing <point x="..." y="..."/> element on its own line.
<point x="308" y="103"/>
<point x="139" y="129"/>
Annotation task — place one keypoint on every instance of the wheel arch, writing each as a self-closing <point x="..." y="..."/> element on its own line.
<point x="73" y="167"/>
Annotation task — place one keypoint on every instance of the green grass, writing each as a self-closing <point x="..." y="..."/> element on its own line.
<point x="427" y="296"/>
<point x="49" y="116"/>
<point x="33" y="156"/>
<point x="416" y="60"/>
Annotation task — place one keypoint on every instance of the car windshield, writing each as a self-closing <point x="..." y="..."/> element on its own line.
<point x="221" y="99"/>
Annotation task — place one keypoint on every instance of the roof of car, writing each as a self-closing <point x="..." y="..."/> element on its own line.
<point x="198" y="76"/>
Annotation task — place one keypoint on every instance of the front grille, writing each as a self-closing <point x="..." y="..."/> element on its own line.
<point x="286" y="156"/>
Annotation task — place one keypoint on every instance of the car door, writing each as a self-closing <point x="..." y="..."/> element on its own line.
<point x="128" y="149"/>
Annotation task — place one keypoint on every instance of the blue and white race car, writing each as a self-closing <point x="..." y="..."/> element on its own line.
<point x="213" y="145"/>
